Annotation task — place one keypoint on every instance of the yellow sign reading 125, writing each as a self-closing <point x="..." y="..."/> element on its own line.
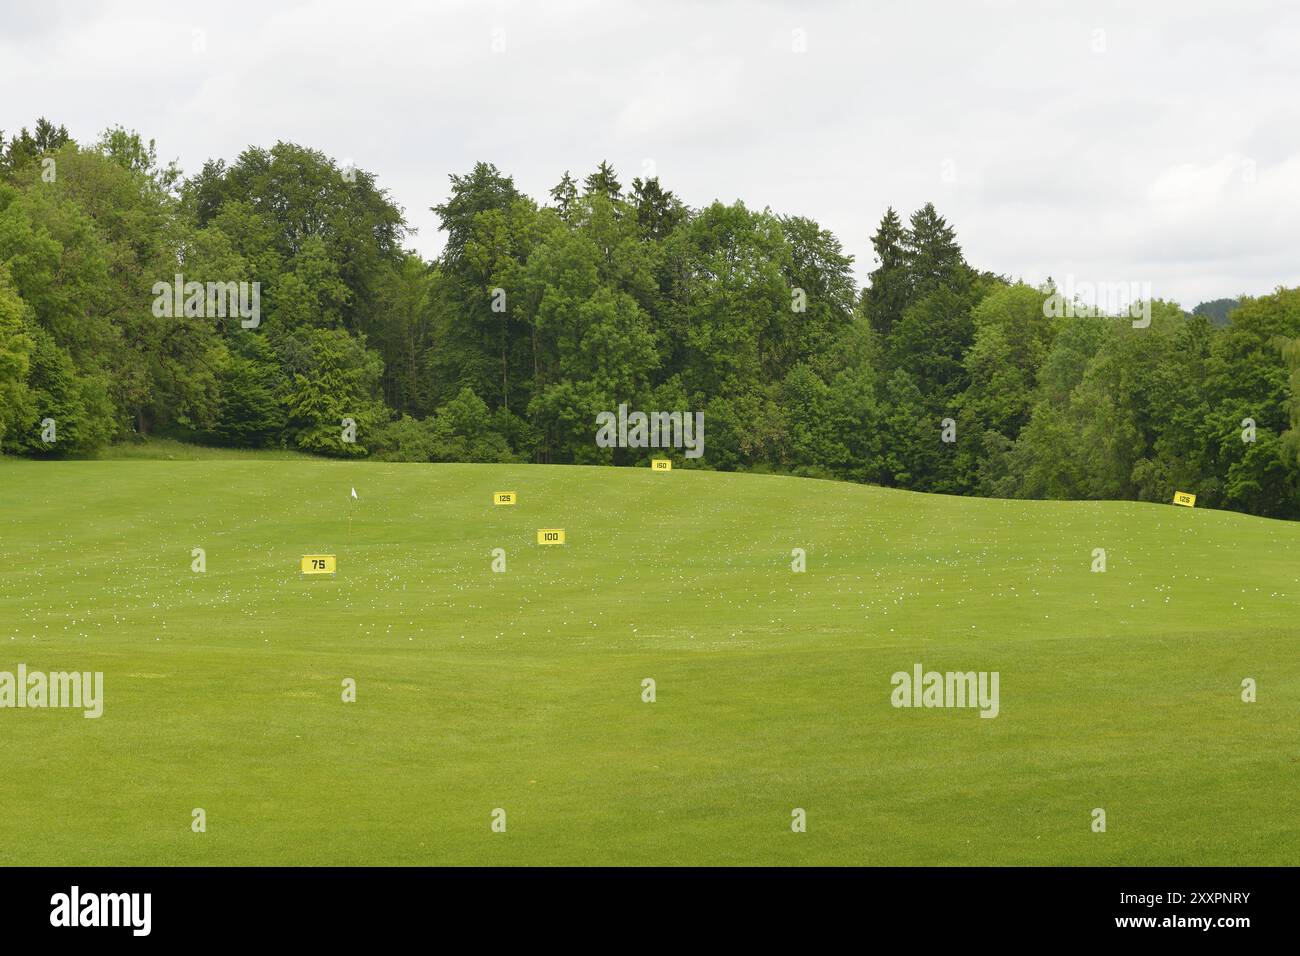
<point x="504" y="498"/>
<point x="550" y="536"/>
<point x="319" y="564"/>
<point x="1183" y="498"/>
<point x="661" y="464"/>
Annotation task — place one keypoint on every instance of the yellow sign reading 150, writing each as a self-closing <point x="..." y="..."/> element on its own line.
<point x="319" y="564"/>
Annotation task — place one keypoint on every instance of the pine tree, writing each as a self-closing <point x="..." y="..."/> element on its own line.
<point x="564" y="195"/>
<point x="26" y="148"/>
<point x="932" y="254"/>
<point x="886" y="297"/>
<point x="658" y="211"/>
<point x="603" y="181"/>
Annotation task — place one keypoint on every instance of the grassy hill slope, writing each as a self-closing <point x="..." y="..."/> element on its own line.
<point x="522" y="690"/>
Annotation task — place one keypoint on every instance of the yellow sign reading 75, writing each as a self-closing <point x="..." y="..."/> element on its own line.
<point x="319" y="564"/>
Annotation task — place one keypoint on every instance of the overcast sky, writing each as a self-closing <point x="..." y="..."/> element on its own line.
<point x="1151" y="142"/>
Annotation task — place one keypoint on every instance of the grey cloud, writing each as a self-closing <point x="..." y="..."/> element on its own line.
<point x="1105" y="164"/>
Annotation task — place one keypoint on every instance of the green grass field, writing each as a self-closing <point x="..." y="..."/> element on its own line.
<point x="522" y="690"/>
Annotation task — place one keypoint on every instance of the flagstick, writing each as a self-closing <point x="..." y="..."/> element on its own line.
<point x="352" y="497"/>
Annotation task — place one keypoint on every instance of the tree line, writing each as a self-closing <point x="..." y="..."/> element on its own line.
<point x="539" y="315"/>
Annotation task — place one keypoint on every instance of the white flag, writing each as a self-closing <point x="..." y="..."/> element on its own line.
<point x="354" y="492"/>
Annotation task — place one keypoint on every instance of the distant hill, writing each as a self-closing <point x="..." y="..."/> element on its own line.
<point x="1216" y="310"/>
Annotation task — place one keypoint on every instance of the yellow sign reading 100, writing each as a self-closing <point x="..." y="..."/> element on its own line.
<point x="550" y="536"/>
<point x="319" y="564"/>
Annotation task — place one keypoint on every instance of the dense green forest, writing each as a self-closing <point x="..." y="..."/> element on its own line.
<point x="539" y="315"/>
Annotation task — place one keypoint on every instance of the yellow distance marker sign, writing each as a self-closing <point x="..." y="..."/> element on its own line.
<point x="319" y="564"/>
<point x="661" y="464"/>
<point x="1184" y="499"/>
<point x="550" y="536"/>
<point x="504" y="498"/>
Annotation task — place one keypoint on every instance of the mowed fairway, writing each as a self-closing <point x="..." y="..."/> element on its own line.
<point x="522" y="690"/>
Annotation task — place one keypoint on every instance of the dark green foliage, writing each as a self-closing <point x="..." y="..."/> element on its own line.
<point x="888" y="290"/>
<point x="658" y="211"/>
<point x="603" y="182"/>
<point x="251" y="414"/>
<point x="564" y="194"/>
<point x="931" y="253"/>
